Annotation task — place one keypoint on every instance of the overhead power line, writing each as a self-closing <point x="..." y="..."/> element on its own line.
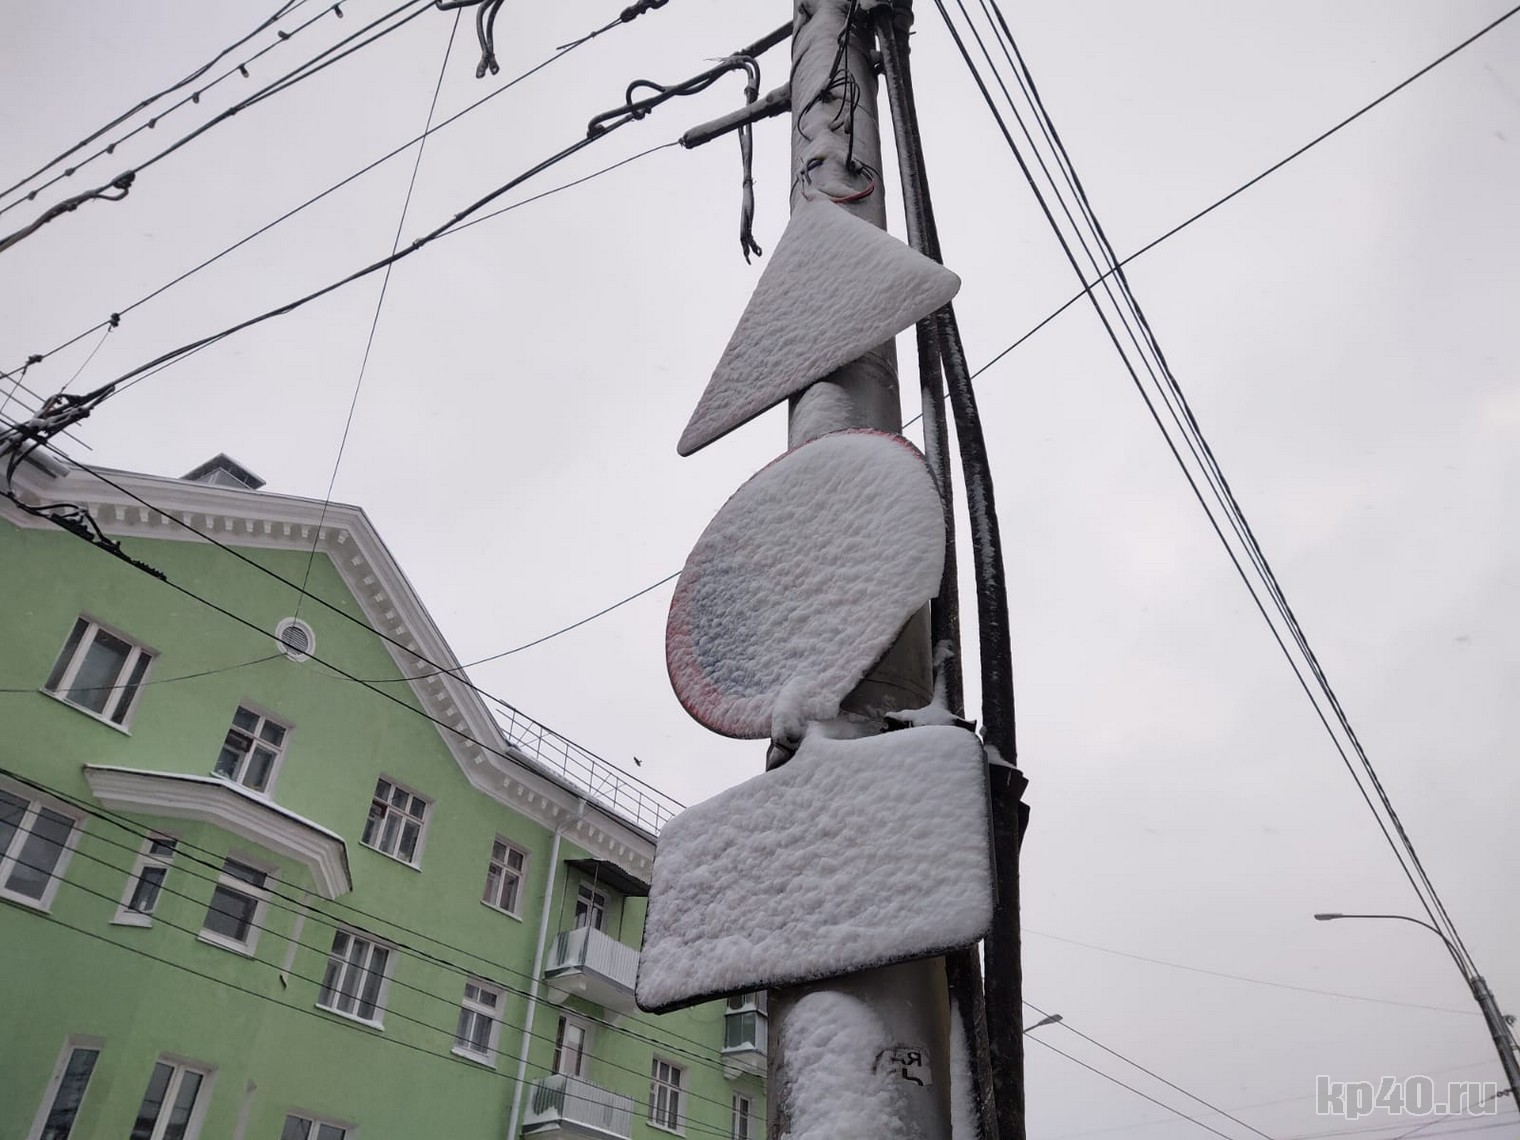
<point x="318" y="63"/>
<point x="1176" y="405"/>
<point x="142" y="105"/>
<point x="559" y="53"/>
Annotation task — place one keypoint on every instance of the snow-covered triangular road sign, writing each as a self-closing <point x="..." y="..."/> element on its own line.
<point x="835" y="287"/>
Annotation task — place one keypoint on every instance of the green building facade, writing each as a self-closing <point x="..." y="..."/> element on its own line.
<point x="271" y="869"/>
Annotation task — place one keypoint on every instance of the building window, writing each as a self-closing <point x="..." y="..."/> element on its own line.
<point x="741" y="1128"/>
<point x="168" y="1109"/>
<point x="99" y="672"/>
<point x="590" y="908"/>
<point x="60" y="1107"/>
<point x="665" y="1104"/>
<point x="252" y="750"/>
<point x="396" y="818"/>
<point x="744" y="1023"/>
<point x="570" y="1048"/>
<point x="298" y="1127"/>
<point x="237" y="905"/>
<point x="504" y="876"/>
<point x="36" y="840"/>
<point x="478" y="1022"/>
<point x="146" y="882"/>
<point x="354" y="981"/>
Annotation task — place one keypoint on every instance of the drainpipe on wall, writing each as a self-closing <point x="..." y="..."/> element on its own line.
<point x="538" y="965"/>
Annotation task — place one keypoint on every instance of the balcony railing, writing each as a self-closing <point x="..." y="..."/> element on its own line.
<point x="568" y="1104"/>
<point x="589" y="964"/>
<point x="541" y="747"/>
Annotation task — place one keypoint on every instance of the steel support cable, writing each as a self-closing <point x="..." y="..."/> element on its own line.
<point x="374" y="324"/>
<point x="1214" y="1108"/>
<point x="283" y="11"/>
<point x="360" y="622"/>
<point x="314" y="199"/>
<point x="299" y="907"/>
<point x="1187" y="474"/>
<point x="1000" y="1087"/>
<point x="305" y="70"/>
<point x="1206" y="458"/>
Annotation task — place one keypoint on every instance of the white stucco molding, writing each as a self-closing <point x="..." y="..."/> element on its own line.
<point x="233" y="808"/>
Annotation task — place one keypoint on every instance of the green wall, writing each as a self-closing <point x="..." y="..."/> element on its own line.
<point x="161" y="990"/>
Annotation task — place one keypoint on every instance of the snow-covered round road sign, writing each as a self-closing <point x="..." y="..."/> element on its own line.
<point x="802" y="581"/>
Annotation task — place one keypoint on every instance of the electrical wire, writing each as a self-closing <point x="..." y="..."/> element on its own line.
<point x="1413" y="870"/>
<point x="142" y="105"/>
<point x="1115" y="1080"/>
<point x="301" y="907"/>
<point x="374" y="324"/>
<point x="340" y="612"/>
<point x="157" y="681"/>
<point x="1214" y="1108"/>
<point x="1253" y="981"/>
<point x="559" y="53"/>
<point x="318" y="63"/>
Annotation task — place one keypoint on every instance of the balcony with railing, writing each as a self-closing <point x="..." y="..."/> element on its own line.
<point x="569" y="1106"/>
<point x="594" y="966"/>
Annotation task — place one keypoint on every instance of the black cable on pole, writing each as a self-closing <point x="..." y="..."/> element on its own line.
<point x="996" y="1016"/>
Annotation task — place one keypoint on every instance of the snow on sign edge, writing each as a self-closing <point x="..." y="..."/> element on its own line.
<point x="871" y="550"/>
<point x="818" y="869"/>
<point x="834" y="287"/>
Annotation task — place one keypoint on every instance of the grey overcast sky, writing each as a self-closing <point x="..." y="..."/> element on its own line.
<point x="1345" y="329"/>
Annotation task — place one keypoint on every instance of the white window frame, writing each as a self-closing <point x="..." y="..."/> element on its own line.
<point x="340" y="961"/>
<point x="119" y="708"/>
<point x="743" y="1114"/>
<point x="10" y="854"/>
<point x="596" y="902"/>
<point x="740" y="1006"/>
<point x="95" y="1045"/>
<point x="255" y="741"/>
<point x="234" y="884"/>
<point x="667" y="1096"/>
<point x="470" y="1010"/>
<point x="568" y="1021"/>
<point x="499" y="871"/>
<point x="197" y="1117"/>
<point x="150" y="858"/>
<point x="390" y="806"/>
<point x="316" y="1123"/>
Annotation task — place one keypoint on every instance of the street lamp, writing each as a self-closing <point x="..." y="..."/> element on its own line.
<point x="1048" y="1019"/>
<point x="1497" y="1023"/>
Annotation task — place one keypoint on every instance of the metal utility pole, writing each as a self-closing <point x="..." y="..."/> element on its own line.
<point x="836" y="153"/>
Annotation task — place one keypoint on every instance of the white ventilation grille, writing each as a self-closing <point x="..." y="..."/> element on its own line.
<point x="295" y="639"/>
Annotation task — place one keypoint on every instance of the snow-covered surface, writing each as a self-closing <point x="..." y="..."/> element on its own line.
<point x="835" y="286"/>
<point x="963" y="1125"/>
<point x="802" y="581"/>
<point x="856" y="853"/>
<point x="830" y="1079"/>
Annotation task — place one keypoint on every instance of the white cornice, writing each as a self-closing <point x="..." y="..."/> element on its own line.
<point x="233" y="808"/>
<point x="245" y="518"/>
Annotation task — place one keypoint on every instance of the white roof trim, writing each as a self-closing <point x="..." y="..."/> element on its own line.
<point x="233" y="808"/>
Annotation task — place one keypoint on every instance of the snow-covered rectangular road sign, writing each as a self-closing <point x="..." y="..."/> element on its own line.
<point x="855" y="854"/>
